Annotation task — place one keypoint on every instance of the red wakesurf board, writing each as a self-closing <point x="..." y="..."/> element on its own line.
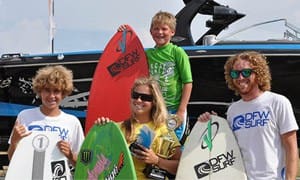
<point x="122" y="61"/>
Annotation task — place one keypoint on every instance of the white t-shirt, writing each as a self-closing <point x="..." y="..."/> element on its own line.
<point x="67" y="126"/>
<point x="258" y="125"/>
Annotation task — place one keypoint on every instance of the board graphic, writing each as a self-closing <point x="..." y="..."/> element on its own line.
<point x="37" y="157"/>
<point x="104" y="155"/>
<point x="211" y="152"/>
<point x="122" y="61"/>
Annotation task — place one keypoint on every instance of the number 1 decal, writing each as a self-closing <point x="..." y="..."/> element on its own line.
<point x="40" y="143"/>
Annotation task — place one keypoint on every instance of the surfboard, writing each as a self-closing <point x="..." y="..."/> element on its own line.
<point x="122" y="61"/>
<point x="104" y="155"/>
<point x="37" y="157"/>
<point x="211" y="152"/>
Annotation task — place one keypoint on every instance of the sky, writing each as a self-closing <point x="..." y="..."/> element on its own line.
<point x="83" y="25"/>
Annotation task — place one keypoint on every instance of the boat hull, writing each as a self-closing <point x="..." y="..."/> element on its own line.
<point x="209" y="92"/>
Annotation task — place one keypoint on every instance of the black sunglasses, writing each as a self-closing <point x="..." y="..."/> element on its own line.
<point x="234" y="74"/>
<point x="143" y="97"/>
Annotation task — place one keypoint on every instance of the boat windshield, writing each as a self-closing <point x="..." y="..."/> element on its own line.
<point x="273" y="30"/>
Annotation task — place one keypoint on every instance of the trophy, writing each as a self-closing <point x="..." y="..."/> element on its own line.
<point x="173" y="122"/>
<point x="166" y="150"/>
<point x="167" y="141"/>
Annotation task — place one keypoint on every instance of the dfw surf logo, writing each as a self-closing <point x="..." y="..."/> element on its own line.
<point x="251" y="120"/>
<point x="218" y="162"/>
<point x="127" y="59"/>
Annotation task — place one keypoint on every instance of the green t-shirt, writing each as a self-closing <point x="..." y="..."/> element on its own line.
<point x="170" y="66"/>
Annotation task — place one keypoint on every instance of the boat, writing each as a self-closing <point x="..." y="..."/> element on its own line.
<point x="207" y="57"/>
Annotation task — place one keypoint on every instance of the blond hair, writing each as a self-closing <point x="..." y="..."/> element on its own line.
<point x="259" y="65"/>
<point x="165" y="18"/>
<point x="159" y="111"/>
<point x="57" y="77"/>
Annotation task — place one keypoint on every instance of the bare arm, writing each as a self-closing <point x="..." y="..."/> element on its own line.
<point x="185" y="97"/>
<point x="65" y="148"/>
<point x="289" y="141"/>
<point x="11" y="150"/>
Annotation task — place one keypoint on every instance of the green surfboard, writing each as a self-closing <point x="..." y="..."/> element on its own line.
<point x="104" y="154"/>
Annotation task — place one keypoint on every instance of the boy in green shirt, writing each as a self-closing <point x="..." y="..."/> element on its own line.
<point x="170" y="66"/>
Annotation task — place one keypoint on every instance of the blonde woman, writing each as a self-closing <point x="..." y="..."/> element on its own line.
<point x="149" y="112"/>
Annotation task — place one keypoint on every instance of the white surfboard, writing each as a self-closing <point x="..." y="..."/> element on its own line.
<point x="38" y="158"/>
<point x="211" y="152"/>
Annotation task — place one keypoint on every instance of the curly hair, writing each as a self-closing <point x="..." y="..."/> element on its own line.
<point x="259" y="65"/>
<point x="159" y="111"/>
<point x="164" y="18"/>
<point x="57" y="77"/>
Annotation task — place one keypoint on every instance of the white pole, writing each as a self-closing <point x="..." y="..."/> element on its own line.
<point x="51" y="24"/>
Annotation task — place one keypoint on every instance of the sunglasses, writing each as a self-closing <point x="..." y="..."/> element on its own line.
<point x="234" y="74"/>
<point x="143" y="97"/>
